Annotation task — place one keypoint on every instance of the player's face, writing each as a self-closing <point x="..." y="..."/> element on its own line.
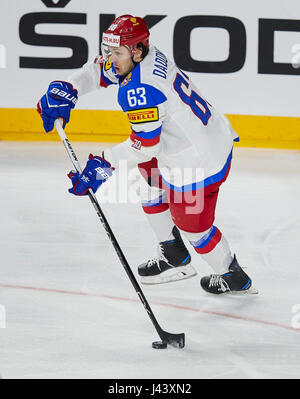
<point x="121" y="58"/>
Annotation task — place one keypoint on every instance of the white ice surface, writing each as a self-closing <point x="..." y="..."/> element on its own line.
<point x="71" y="311"/>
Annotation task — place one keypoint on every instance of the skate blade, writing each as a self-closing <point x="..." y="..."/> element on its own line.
<point x="171" y="275"/>
<point x="251" y="291"/>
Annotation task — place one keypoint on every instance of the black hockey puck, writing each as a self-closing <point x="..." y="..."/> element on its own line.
<point x="159" y="345"/>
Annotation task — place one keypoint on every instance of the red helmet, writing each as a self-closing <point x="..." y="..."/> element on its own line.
<point x="128" y="31"/>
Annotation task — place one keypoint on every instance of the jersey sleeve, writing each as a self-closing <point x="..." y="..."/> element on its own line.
<point x="145" y="136"/>
<point x="92" y="76"/>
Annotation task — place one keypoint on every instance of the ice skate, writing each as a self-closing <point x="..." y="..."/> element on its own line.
<point x="234" y="281"/>
<point x="171" y="264"/>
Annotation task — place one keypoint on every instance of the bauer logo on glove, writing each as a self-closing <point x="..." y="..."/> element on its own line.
<point x="96" y="172"/>
<point x="60" y="98"/>
<point x="64" y="94"/>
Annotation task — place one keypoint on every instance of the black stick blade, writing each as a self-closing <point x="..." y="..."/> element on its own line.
<point x="176" y="340"/>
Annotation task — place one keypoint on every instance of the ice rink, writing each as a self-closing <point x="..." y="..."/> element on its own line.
<point x="68" y="309"/>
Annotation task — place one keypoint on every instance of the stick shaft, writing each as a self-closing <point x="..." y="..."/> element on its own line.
<point x="109" y="232"/>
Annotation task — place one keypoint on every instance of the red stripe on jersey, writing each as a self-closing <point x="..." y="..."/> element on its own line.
<point x="212" y="243"/>
<point x="144" y="142"/>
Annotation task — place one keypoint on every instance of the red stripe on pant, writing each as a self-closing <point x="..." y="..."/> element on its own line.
<point x="195" y="211"/>
<point x="212" y="243"/>
<point x="156" y="208"/>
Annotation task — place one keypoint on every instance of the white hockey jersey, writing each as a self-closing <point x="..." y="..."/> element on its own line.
<point x="170" y="120"/>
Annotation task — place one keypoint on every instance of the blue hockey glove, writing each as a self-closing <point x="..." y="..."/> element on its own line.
<point x="96" y="172"/>
<point x="57" y="103"/>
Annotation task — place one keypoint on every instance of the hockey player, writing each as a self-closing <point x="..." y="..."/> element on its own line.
<point x="180" y="142"/>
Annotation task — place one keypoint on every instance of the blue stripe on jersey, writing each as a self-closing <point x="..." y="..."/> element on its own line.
<point x="149" y="135"/>
<point x="201" y="184"/>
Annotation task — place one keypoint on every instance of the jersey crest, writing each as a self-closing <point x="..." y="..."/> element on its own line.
<point x="127" y="79"/>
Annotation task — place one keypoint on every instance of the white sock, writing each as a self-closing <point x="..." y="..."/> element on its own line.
<point x="220" y="257"/>
<point x="162" y="225"/>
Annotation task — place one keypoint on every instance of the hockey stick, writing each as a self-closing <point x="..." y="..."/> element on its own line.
<point x="177" y="340"/>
